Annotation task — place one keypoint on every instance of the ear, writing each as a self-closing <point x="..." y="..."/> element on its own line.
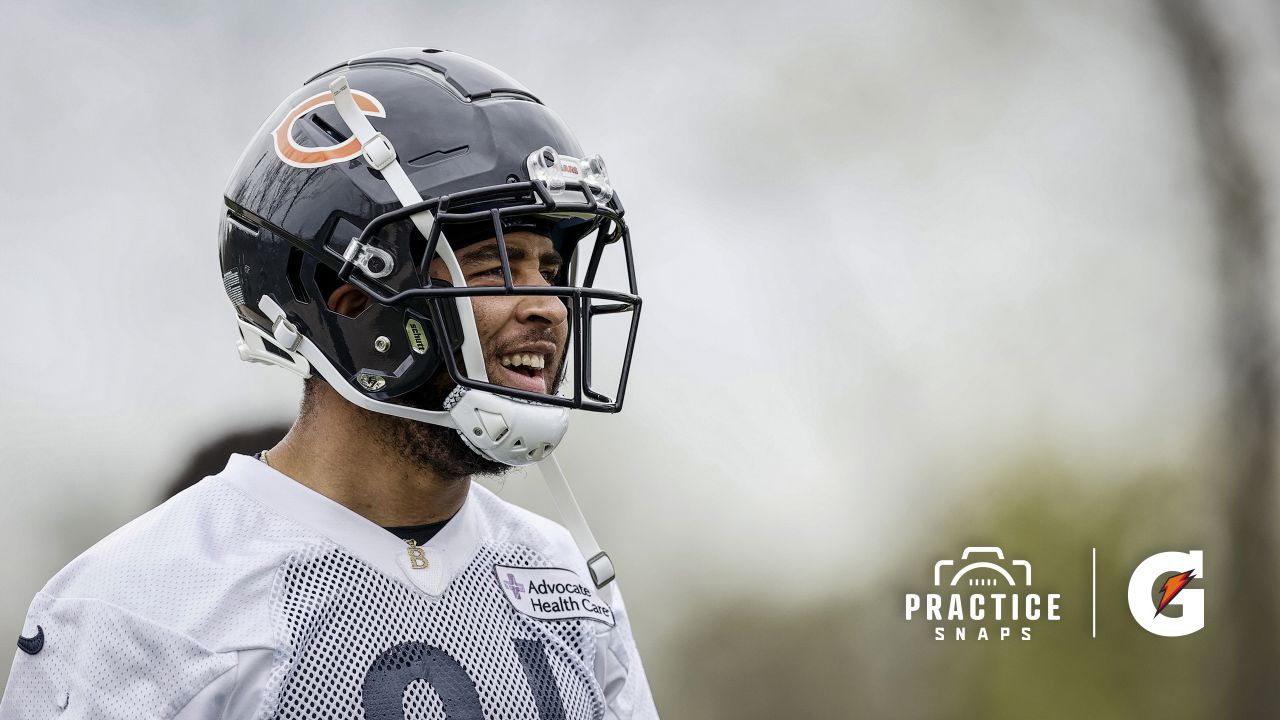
<point x="348" y="301"/>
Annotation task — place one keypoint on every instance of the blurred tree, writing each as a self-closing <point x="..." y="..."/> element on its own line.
<point x="1235" y="192"/>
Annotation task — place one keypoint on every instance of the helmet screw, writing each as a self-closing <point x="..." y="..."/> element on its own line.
<point x="548" y="157"/>
<point x="381" y="344"/>
<point x="477" y="431"/>
<point x="372" y="383"/>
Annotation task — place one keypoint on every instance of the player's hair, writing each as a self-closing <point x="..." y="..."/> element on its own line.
<point x="310" y="396"/>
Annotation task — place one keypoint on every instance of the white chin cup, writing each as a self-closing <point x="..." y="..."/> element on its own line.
<point x="507" y="430"/>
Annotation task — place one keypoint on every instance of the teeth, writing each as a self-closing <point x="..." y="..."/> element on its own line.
<point x="537" y="362"/>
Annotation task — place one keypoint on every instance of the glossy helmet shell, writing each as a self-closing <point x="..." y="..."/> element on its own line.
<point x="289" y="214"/>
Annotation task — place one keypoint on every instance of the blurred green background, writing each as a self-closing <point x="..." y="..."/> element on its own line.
<point x="917" y="277"/>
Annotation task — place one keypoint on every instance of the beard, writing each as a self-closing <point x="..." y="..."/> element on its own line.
<point x="433" y="448"/>
<point x="437" y="449"/>
<point x="442" y="449"/>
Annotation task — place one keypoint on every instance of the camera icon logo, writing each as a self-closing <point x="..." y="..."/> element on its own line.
<point x="983" y="572"/>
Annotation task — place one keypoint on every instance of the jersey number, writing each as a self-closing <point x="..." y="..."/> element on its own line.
<point x="394" y="669"/>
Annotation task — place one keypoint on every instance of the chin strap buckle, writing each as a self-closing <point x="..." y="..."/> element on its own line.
<point x="601" y="569"/>
<point x="598" y="562"/>
<point x="378" y="152"/>
<point x="286" y="334"/>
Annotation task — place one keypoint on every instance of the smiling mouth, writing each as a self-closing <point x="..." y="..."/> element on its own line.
<point x="524" y="371"/>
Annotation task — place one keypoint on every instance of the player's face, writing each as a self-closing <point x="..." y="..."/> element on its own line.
<point x="523" y="336"/>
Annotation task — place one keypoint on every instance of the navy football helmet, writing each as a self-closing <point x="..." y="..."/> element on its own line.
<point x="382" y="167"/>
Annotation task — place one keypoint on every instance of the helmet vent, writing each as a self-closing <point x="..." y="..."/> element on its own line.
<point x="294" y="272"/>
<point x="242" y="222"/>
<point x="333" y="133"/>
<point x="436" y="156"/>
<point x="501" y="94"/>
<point x="327" y="281"/>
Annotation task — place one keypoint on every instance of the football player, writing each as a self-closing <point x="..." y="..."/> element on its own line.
<point x="421" y="238"/>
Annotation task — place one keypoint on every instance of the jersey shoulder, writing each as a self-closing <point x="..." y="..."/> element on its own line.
<point x="201" y="564"/>
<point x="166" y="614"/>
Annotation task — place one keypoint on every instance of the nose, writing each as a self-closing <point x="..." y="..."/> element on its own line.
<point x="548" y="310"/>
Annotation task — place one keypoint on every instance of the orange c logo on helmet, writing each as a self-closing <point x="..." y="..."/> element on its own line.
<point x="313" y="157"/>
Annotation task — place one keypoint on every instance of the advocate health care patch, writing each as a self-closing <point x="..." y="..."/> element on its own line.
<point x="551" y="594"/>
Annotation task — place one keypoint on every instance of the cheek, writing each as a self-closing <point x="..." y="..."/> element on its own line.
<point x="491" y="314"/>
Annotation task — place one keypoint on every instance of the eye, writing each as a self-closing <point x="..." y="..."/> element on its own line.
<point x="551" y="275"/>
<point x="493" y="272"/>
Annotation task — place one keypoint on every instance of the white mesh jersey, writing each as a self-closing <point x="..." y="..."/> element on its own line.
<point x="251" y="596"/>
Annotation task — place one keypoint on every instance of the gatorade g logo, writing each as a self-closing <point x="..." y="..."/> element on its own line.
<point x="1150" y="604"/>
<point x="296" y="155"/>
